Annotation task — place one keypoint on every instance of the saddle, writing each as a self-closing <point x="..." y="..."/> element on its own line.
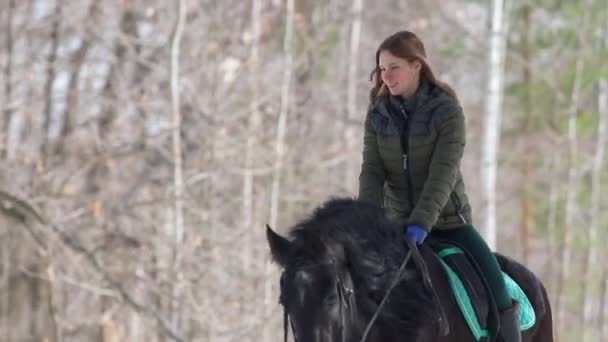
<point x="472" y="293"/>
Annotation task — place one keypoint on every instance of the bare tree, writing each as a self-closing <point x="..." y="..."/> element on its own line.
<point x="51" y="73"/>
<point x="602" y="107"/>
<point x="593" y="231"/>
<point x="77" y="62"/>
<point x="552" y="211"/>
<point x="282" y="115"/>
<point x="8" y="79"/>
<point x="573" y="158"/>
<point x="178" y="178"/>
<point x="353" y="81"/>
<point x="253" y="127"/>
<point x="492" y="118"/>
<point x="279" y="154"/>
<point x="527" y="176"/>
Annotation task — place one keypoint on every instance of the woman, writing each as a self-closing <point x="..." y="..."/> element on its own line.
<point x="413" y="144"/>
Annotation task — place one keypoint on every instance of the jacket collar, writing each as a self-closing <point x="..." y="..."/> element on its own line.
<point x="393" y="103"/>
<point x="420" y="97"/>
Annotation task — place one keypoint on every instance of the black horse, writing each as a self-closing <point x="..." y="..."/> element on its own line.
<point x="338" y="265"/>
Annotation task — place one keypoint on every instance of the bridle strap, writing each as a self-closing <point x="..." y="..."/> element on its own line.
<point x="444" y="327"/>
<point x="285" y="330"/>
<point x="341" y="299"/>
<point x="345" y="299"/>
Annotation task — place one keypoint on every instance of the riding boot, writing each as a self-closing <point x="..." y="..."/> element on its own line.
<point x="509" y="324"/>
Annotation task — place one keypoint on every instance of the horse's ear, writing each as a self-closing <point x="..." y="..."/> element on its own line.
<point x="279" y="246"/>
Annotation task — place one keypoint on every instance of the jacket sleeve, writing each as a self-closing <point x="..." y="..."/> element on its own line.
<point x="371" y="179"/>
<point x="443" y="169"/>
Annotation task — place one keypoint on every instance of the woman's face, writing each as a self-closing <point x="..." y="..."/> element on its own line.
<point x="400" y="76"/>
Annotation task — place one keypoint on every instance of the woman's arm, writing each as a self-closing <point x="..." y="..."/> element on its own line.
<point x="371" y="179"/>
<point x="443" y="170"/>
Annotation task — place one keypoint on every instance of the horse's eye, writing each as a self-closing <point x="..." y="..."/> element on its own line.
<point x="331" y="299"/>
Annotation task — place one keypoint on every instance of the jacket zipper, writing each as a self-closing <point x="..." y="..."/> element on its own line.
<point x="406" y="162"/>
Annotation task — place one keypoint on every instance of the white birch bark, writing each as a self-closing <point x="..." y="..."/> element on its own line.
<point x="8" y="86"/>
<point x="254" y="124"/>
<point x="4" y="303"/>
<point x="8" y="149"/>
<point x="593" y="229"/>
<point x="249" y="239"/>
<point x="53" y="307"/>
<point x="351" y="96"/>
<point x="602" y="105"/>
<point x="552" y="231"/>
<point x="282" y="119"/>
<point x="278" y="163"/>
<point x="594" y="226"/>
<point x="492" y="119"/>
<point x="527" y="170"/>
<point x="571" y="190"/>
<point x="51" y="73"/>
<point x="603" y="299"/>
<point x="178" y="179"/>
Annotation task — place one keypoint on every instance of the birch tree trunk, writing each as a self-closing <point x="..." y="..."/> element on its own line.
<point x="526" y="191"/>
<point x="602" y="325"/>
<point x="55" y="327"/>
<point x="282" y="118"/>
<point x="278" y="163"/>
<point x="336" y="179"/>
<point x="591" y="252"/>
<point x="493" y="104"/>
<point x="111" y="102"/>
<point x="213" y="222"/>
<point x="77" y="61"/>
<point x="8" y="86"/>
<point x="571" y="190"/>
<point x="592" y="231"/>
<point x="51" y="73"/>
<point x="353" y="63"/>
<point x="602" y="106"/>
<point x="249" y="238"/>
<point x="178" y="178"/>
<point x="6" y="295"/>
<point x="552" y="231"/>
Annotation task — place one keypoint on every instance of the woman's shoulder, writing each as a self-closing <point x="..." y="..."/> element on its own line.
<point x="441" y="105"/>
<point x="385" y="105"/>
<point x="381" y="116"/>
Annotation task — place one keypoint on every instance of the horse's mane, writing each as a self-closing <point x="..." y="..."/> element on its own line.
<point x="360" y="236"/>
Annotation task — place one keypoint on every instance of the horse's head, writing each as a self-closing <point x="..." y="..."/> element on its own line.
<point x="340" y="266"/>
<point x="317" y="290"/>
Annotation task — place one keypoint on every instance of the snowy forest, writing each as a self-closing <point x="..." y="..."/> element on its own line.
<point x="145" y="144"/>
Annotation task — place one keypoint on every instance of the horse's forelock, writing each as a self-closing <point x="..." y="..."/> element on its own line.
<point x="354" y="233"/>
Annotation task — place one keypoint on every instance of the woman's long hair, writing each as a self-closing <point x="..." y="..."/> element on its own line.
<point x="406" y="45"/>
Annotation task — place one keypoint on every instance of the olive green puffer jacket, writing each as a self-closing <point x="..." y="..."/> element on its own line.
<point x="411" y="159"/>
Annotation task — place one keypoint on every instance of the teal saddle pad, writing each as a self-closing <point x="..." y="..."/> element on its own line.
<point x="527" y="317"/>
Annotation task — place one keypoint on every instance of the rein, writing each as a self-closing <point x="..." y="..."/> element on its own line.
<point x="343" y="292"/>
<point x="442" y="319"/>
<point x="386" y="294"/>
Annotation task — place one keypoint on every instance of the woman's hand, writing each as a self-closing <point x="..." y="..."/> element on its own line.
<point x="416" y="233"/>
